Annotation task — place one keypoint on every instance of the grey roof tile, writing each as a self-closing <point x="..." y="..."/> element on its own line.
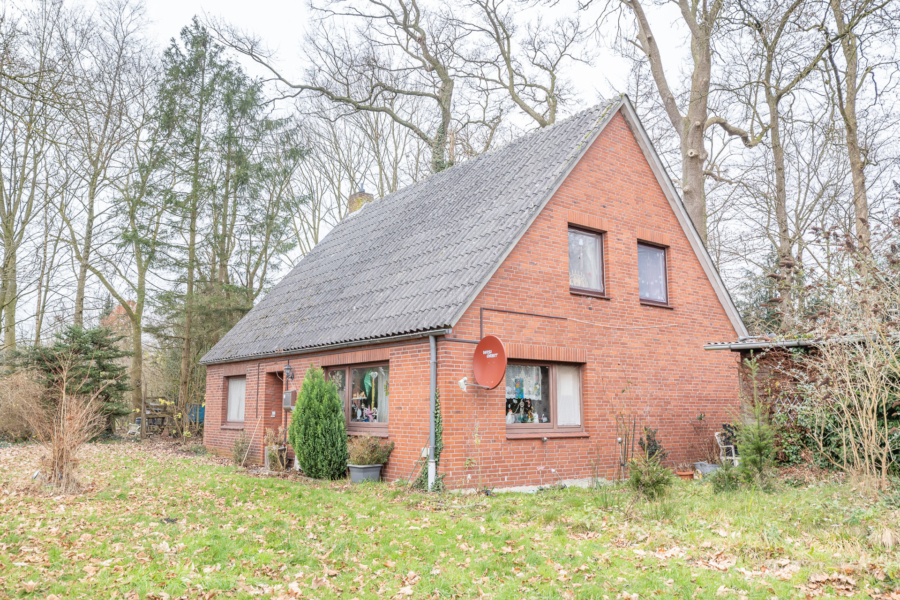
<point x="414" y="259"/>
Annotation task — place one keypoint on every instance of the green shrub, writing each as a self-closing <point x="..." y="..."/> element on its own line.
<point x="756" y="444"/>
<point x="239" y="449"/>
<point x="791" y="439"/>
<point x="725" y="479"/>
<point x="651" y="445"/>
<point x="368" y="450"/>
<point x="648" y="477"/>
<point x="317" y="433"/>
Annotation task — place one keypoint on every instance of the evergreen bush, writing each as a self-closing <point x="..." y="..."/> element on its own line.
<point x="651" y="445"/>
<point x="92" y="362"/>
<point x="648" y="477"/>
<point x="755" y="436"/>
<point x="317" y="433"/>
<point x="726" y="478"/>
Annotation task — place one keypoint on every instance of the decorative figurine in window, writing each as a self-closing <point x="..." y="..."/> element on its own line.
<point x="510" y="417"/>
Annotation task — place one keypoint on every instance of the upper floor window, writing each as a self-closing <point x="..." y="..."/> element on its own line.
<point x="652" y="276"/>
<point x="237" y="387"/>
<point x="586" y="261"/>
<point x="364" y="391"/>
<point x="543" y="397"/>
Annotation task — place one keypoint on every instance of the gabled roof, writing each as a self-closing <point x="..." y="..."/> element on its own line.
<point x="415" y="260"/>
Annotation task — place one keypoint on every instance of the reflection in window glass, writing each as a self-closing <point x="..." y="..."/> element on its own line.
<point x="527" y="394"/>
<point x="652" y="273"/>
<point x="585" y="266"/>
<point x="369" y="395"/>
<point x="338" y="378"/>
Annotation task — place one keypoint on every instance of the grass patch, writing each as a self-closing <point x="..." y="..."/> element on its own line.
<point x="180" y="525"/>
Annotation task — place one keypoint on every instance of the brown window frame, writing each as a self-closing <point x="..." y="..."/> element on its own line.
<point x="225" y="422"/>
<point x="665" y="250"/>
<point x="552" y="428"/>
<point x="355" y="427"/>
<point x="601" y="239"/>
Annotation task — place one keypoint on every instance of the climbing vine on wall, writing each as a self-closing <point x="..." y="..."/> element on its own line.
<point x="421" y="482"/>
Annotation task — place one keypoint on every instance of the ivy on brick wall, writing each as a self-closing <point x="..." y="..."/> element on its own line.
<point x="421" y="482"/>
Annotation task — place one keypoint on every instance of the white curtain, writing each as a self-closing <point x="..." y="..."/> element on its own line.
<point x="237" y="386"/>
<point x="652" y="273"/>
<point x="381" y="385"/>
<point x="530" y="380"/>
<point x="568" y="395"/>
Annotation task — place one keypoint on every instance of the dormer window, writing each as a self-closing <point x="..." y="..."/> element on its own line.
<point x="586" y="262"/>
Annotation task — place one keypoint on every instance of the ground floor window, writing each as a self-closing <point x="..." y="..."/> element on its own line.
<point x="543" y="397"/>
<point x="365" y="392"/>
<point x="237" y="387"/>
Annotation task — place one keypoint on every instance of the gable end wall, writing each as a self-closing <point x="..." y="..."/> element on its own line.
<point x="642" y="361"/>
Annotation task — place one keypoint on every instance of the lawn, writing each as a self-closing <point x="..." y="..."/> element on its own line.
<point x="160" y="524"/>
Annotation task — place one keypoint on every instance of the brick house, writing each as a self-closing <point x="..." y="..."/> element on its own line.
<point x="571" y="245"/>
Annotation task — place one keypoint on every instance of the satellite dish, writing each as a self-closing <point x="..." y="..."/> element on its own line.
<point x="489" y="363"/>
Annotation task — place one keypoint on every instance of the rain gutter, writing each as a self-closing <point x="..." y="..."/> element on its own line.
<point x="327" y="347"/>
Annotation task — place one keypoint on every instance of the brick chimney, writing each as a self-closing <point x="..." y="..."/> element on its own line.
<point x="358" y="199"/>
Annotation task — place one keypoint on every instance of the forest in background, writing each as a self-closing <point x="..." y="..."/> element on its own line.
<point x="162" y="191"/>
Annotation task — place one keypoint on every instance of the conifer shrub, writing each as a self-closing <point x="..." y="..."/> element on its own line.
<point x="317" y="433"/>
<point x="648" y="477"/>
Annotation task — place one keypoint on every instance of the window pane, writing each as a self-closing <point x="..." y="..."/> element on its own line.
<point x="236" y="389"/>
<point x="585" y="267"/>
<point x="568" y="395"/>
<point x="369" y="395"/>
<point x="652" y="273"/>
<point x="527" y="394"/>
<point x="339" y="377"/>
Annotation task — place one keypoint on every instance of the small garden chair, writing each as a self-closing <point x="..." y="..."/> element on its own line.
<point x="727" y="449"/>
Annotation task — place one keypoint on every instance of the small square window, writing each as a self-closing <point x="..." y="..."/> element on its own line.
<point x="586" y="261"/>
<point x="237" y="387"/>
<point x="652" y="276"/>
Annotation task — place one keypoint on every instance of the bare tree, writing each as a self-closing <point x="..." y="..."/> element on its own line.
<point x="390" y="52"/>
<point x="857" y="24"/>
<point x="28" y="104"/>
<point x="101" y="55"/>
<point x="689" y="117"/>
<point x="530" y="68"/>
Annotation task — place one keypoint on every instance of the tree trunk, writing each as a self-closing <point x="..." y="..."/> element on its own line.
<point x="186" y="349"/>
<point x="847" y="108"/>
<point x="785" y="252"/>
<point x="9" y="306"/>
<point x="137" y="360"/>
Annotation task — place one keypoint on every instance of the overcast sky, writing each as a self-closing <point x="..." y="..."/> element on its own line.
<point x="280" y="23"/>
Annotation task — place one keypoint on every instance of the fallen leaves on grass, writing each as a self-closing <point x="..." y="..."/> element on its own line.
<point x="832" y="583"/>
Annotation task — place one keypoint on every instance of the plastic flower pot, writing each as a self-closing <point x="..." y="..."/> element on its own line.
<point x="363" y="473"/>
<point x="686" y="475"/>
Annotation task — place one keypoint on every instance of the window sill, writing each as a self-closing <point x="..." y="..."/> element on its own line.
<point x="590" y="293"/>
<point x="657" y="304"/>
<point x="235" y="426"/>
<point x="379" y="433"/>
<point x="537" y="435"/>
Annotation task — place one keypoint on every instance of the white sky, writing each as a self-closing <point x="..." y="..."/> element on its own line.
<point x="280" y="24"/>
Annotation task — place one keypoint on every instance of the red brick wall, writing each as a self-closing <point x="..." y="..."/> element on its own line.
<point x="654" y="354"/>
<point x="409" y="388"/>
